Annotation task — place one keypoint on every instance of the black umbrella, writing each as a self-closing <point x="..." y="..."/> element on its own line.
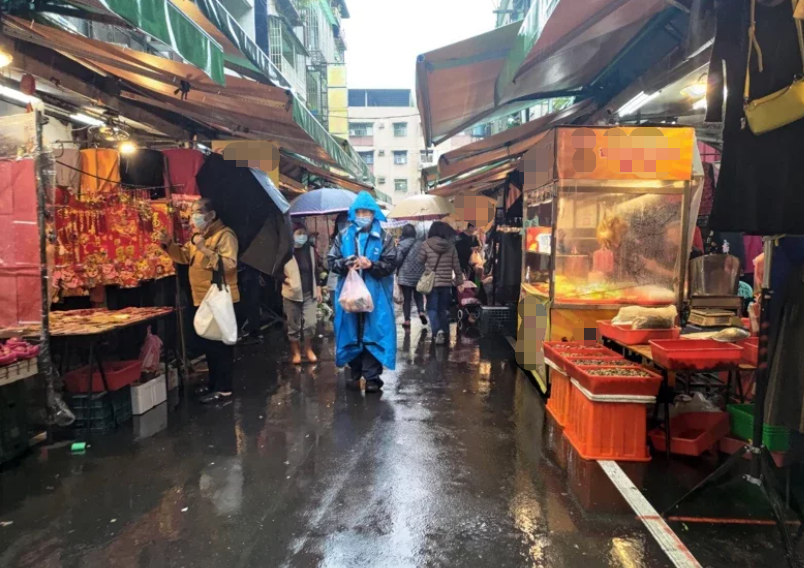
<point x="247" y="201"/>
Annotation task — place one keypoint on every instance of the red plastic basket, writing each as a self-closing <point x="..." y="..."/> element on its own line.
<point x="695" y="354"/>
<point x="119" y="374"/>
<point x="629" y="336"/>
<point x="626" y="386"/>
<point x="607" y="430"/>
<point x="692" y="433"/>
<point x="556" y="351"/>
<point x="750" y="350"/>
<point x="558" y="403"/>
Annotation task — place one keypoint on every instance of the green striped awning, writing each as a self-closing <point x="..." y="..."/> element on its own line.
<point x="164" y="21"/>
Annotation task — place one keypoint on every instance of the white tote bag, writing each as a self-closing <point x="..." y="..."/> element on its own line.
<point x="215" y="319"/>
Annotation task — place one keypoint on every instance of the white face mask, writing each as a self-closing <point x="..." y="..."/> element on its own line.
<point x="200" y="221"/>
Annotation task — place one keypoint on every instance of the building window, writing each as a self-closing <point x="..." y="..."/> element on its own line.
<point x="361" y="129"/>
<point x="367" y="157"/>
<point x="381" y="180"/>
<point x="426" y="156"/>
<point x="400" y="129"/>
<point x="400" y="157"/>
<point x="400" y="185"/>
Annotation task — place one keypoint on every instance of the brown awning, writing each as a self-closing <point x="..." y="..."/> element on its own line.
<point x="293" y="167"/>
<point x="482" y="180"/>
<point x="510" y="143"/>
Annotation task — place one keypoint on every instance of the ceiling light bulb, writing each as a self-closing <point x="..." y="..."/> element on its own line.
<point x="637" y="103"/>
<point x="5" y="59"/>
<point x="127" y="148"/>
<point x="16" y="95"/>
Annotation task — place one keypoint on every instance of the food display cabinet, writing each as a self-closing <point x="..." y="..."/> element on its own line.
<point x="606" y="219"/>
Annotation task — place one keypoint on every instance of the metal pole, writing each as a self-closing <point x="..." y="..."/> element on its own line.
<point x="762" y="365"/>
<point x="45" y="361"/>
<point x="684" y="256"/>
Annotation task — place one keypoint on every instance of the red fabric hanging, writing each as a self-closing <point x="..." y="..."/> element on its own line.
<point x="182" y="166"/>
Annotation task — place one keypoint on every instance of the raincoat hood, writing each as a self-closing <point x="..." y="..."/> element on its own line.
<point x="439" y="245"/>
<point x="366" y="201"/>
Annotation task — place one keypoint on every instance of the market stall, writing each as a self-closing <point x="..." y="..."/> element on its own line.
<point x="606" y="215"/>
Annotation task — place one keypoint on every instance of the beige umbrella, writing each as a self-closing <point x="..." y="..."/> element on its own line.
<point x="422" y="208"/>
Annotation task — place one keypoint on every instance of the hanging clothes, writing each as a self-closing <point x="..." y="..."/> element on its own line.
<point x="100" y="174"/>
<point x="68" y="168"/>
<point x="181" y="168"/>
<point x="144" y="168"/>
<point x="759" y="189"/>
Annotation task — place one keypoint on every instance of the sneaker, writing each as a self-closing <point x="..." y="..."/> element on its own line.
<point x="374" y="386"/>
<point x="441" y="338"/>
<point x="423" y="319"/>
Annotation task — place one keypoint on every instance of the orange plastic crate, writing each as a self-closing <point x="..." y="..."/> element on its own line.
<point x="559" y="401"/>
<point x="607" y="430"/>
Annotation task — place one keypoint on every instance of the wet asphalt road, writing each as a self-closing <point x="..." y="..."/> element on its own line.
<point x="453" y="465"/>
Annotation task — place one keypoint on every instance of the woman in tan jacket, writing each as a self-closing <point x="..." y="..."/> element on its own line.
<point x="211" y="244"/>
<point x="301" y="295"/>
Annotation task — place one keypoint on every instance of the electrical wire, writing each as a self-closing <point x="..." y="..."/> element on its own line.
<point x="118" y="182"/>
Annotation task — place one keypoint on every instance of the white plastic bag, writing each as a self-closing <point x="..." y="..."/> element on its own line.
<point x="215" y="319"/>
<point x="399" y="297"/>
<point x="355" y="297"/>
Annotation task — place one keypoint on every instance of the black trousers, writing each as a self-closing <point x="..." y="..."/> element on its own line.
<point x="365" y="365"/>
<point x="220" y="359"/>
<point x="410" y="295"/>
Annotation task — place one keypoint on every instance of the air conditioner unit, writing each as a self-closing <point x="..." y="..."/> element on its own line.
<point x="381" y="153"/>
<point x="381" y="181"/>
<point x="381" y="126"/>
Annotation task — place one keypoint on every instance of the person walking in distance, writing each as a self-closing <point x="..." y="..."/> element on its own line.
<point x="212" y="247"/>
<point x="366" y="341"/>
<point x="301" y="295"/>
<point x="439" y="256"/>
<point x="408" y="274"/>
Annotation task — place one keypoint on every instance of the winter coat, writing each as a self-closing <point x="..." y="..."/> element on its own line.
<point x="374" y="331"/>
<point x="407" y="257"/>
<point x="223" y="241"/>
<point x="449" y="263"/>
<point x="292" y="287"/>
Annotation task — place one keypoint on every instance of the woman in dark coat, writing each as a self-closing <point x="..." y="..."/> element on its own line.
<point x="409" y="272"/>
<point x="439" y="255"/>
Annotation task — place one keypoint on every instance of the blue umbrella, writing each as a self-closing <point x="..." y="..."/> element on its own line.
<point x="325" y="201"/>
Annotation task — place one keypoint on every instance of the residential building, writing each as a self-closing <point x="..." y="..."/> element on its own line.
<point x="510" y="11"/>
<point x="385" y="129"/>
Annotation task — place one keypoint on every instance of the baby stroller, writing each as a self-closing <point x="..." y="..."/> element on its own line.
<point x="468" y="305"/>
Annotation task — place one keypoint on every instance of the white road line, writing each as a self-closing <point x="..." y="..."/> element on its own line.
<point x="678" y="553"/>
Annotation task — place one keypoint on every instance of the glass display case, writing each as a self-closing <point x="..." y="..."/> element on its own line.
<point x="606" y="219"/>
<point x="603" y="243"/>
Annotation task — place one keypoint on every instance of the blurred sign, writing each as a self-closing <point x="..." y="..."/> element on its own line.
<point x="260" y="154"/>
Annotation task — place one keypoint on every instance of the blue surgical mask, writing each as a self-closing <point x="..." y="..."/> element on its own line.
<point x="300" y="240"/>
<point x="200" y="221"/>
<point x="363" y="222"/>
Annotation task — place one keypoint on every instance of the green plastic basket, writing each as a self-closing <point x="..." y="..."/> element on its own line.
<point x="775" y="438"/>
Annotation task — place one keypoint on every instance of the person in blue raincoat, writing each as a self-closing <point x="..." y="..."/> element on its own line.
<point x="366" y="341"/>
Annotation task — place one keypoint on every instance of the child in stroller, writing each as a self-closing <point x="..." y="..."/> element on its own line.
<point x="468" y="305"/>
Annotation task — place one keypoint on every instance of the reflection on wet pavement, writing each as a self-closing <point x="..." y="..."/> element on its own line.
<point x="453" y="465"/>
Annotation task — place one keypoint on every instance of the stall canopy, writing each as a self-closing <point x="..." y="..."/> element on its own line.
<point x="167" y="23"/>
<point x="243" y="108"/>
<point x="507" y="145"/>
<point x="590" y="49"/>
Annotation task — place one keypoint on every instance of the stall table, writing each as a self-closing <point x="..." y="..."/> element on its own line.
<point x="669" y="377"/>
<point x="91" y="327"/>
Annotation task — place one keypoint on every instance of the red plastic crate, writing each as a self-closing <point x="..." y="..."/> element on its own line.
<point x="628" y="336"/>
<point x="692" y="433"/>
<point x="556" y="351"/>
<point x="625" y="386"/>
<point x="607" y="430"/>
<point x="695" y="354"/>
<point x="750" y="350"/>
<point x="119" y="374"/>
<point x="558" y="403"/>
